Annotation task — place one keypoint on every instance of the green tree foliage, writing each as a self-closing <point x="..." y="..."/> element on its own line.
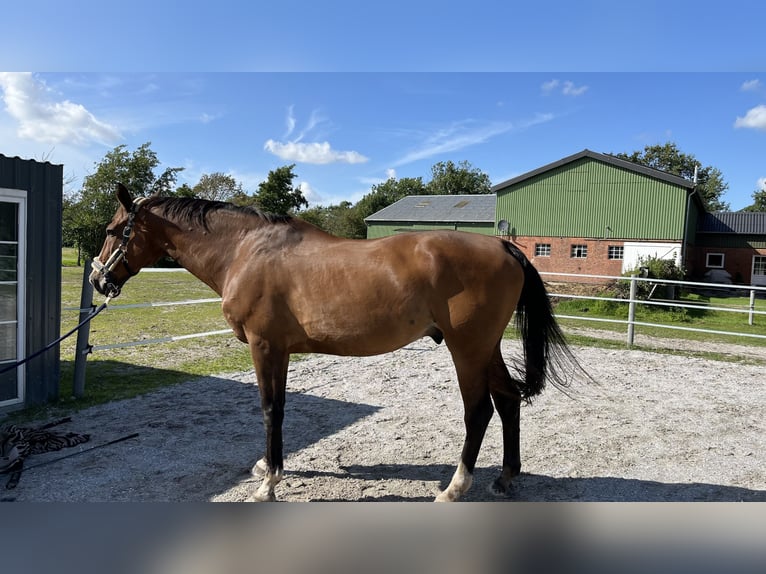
<point x="669" y="158"/>
<point x="347" y="220"/>
<point x="461" y="179"/>
<point x="277" y="194"/>
<point x="335" y="219"/>
<point x="217" y="187"/>
<point x="652" y="268"/>
<point x="184" y="190"/>
<point x="759" y="201"/>
<point x="88" y="212"/>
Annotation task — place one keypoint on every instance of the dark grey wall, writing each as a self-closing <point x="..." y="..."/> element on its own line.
<point x="43" y="183"/>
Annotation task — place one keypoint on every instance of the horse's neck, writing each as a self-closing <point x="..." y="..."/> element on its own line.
<point x="195" y="252"/>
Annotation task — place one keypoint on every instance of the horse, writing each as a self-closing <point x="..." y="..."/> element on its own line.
<point x="288" y="287"/>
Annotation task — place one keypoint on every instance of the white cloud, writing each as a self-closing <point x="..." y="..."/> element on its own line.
<point x="754" y="118"/>
<point x="315" y="152"/>
<point x="750" y="86"/>
<point x="42" y="118"/>
<point x="206" y="118"/>
<point x="290" y="121"/>
<point x="549" y="86"/>
<point x="761" y="183"/>
<point x="567" y="88"/>
<point x="311" y="195"/>
<point x="390" y="173"/>
<point x="464" y="134"/>
<point x="309" y="152"/>
<point x="570" y="89"/>
<point x="454" y="137"/>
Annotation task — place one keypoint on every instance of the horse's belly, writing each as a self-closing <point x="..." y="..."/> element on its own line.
<point x="363" y="336"/>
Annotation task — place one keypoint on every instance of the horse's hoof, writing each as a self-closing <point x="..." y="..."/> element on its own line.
<point x="257" y="497"/>
<point x="443" y="497"/>
<point x="500" y="488"/>
<point x="259" y="469"/>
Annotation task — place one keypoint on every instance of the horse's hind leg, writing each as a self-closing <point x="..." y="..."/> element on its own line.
<point x="478" y="412"/>
<point x="508" y="403"/>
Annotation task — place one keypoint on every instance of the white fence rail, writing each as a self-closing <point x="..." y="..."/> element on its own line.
<point x="632" y="301"/>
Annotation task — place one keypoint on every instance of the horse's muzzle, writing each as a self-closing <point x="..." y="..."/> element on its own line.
<point x="104" y="283"/>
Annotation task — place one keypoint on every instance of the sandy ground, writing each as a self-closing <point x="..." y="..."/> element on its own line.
<point x="389" y="428"/>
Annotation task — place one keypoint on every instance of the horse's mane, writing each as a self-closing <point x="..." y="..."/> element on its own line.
<point x="197" y="211"/>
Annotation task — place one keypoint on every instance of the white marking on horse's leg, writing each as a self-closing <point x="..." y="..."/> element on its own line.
<point x="265" y="492"/>
<point x="260" y="468"/>
<point x="458" y="486"/>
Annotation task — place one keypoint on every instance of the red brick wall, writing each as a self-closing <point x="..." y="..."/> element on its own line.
<point x="737" y="261"/>
<point x="597" y="261"/>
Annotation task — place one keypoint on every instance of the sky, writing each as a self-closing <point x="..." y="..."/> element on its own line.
<point x="355" y="94"/>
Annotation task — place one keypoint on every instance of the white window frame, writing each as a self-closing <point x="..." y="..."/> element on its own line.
<point x="707" y="260"/>
<point x="544" y="248"/>
<point x="19" y="197"/>
<point x="757" y="279"/>
<point x="615" y="249"/>
<point x="578" y="251"/>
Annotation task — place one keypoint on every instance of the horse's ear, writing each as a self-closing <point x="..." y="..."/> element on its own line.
<point x="123" y="196"/>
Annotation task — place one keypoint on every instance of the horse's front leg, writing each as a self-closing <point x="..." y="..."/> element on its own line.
<point x="271" y="372"/>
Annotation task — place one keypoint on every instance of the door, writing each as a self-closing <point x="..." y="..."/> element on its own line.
<point x="12" y="292"/>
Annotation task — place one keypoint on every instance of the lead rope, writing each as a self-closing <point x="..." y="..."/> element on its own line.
<point x="49" y="346"/>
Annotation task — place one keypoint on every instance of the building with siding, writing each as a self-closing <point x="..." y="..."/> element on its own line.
<point x="592" y="213"/>
<point x="734" y="243"/>
<point x="475" y="213"/>
<point x="30" y="279"/>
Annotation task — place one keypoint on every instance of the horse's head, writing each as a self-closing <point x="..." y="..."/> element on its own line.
<point x="126" y="249"/>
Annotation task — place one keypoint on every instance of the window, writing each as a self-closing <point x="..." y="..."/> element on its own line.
<point x="579" y="251"/>
<point x="759" y="265"/>
<point x="616" y="252"/>
<point x="542" y="249"/>
<point x="714" y="260"/>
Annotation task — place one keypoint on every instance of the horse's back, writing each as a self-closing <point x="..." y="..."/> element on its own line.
<point x="473" y="282"/>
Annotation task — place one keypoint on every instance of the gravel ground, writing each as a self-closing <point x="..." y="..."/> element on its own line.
<point x="655" y="427"/>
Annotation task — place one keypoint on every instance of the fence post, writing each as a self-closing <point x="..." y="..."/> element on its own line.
<point x="82" y="350"/>
<point x="632" y="310"/>
<point x="752" y="307"/>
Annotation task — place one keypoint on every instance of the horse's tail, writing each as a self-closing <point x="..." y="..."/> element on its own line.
<point x="547" y="356"/>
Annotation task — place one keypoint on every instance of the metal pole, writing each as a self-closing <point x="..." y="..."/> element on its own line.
<point x="752" y="307"/>
<point x="632" y="310"/>
<point x="83" y="348"/>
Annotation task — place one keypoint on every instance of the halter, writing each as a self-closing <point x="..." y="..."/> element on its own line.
<point x="120" y="253"/>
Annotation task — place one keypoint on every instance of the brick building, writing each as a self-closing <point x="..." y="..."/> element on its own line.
<point x="595" y="214"/>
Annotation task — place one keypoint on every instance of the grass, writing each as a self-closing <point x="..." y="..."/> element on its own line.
<point x="69" y="257"/>
<point x="123" y="373"/>
<point x="128" y="372"/>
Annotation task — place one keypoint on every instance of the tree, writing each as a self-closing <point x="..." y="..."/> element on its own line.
<point x="88" y="212"/>
<point x="759" y="201"/>
<point x="668" y="158"/>
<point x="461" y="179"/>
<point x="183" y="190"/>
<point x="335" y="219"/>
<point x="217" y="187"/>
<point x="277" y="194"/>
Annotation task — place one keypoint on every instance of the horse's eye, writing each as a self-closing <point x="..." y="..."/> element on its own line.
<point x="111" y="233"/>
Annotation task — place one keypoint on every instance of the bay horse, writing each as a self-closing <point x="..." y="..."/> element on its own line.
<point x="288" y="287"/>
